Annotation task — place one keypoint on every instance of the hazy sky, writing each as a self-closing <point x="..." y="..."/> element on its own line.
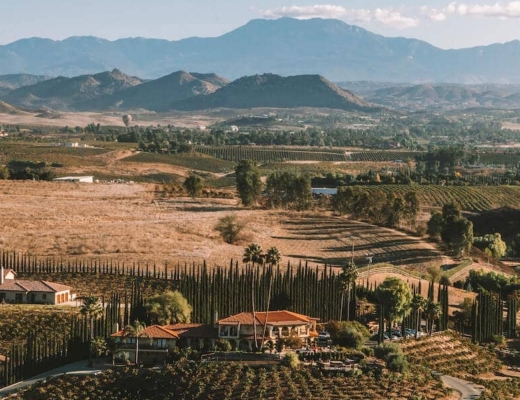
<point x="444" y="24"/>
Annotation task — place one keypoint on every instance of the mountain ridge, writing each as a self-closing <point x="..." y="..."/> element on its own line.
<point x="62" y="92"/>
<point x="285" y="46"/>
<point x="184" y="91"/>
<point x="275" y="91"/>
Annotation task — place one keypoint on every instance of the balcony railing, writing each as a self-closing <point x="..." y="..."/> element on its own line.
<point x="143" y="346"/>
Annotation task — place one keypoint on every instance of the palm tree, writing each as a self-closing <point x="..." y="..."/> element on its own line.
<point x="92" y="310"/>
<point x="418" y="305"/>
<point x="253" y="254"/>
<point x="99" y="347"/>
<point x="433" y="311"/>
<point x="272" y="257"/>
<point x="347" y="278"/>
<point x="136" y="330"/>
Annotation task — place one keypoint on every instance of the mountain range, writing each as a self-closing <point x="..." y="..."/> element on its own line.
<point x="286" y="46"/>
<point x="437" y="97"/>
<point x="184" y="91"/>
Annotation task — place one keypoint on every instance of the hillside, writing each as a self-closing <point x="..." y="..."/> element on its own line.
<point x="15" y="81"/>
<point x="285" y="46"/>
<point x="439" y="97"/>
<point x="274" y="91"/>
<point x="8" y="109"/>
<point x="157" y="94"/>
<point x="63" y="93"/>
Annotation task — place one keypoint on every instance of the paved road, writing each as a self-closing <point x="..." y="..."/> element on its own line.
<point x="467" y="389"/>
<point x="80" y="367"/>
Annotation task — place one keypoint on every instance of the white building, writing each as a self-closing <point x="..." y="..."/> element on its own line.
<point x="14" y="290"/>
<point x="80" y="179"/>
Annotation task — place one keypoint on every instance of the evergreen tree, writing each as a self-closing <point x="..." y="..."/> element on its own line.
<point x="249" y="185"/>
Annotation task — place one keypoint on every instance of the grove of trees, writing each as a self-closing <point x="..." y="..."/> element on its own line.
<point x="452" y="228"/>
<point x="390" y="209"/>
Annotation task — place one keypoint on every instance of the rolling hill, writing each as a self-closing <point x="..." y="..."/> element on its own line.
<point x="63" y="93"/>
<point x="274" y="91"/>
<point x="157" y="94"/>
<point x="8" y="109"/>
<point x="15" y="81"/>
<point x="440" y="97"/>
<point x="285" y="46"/>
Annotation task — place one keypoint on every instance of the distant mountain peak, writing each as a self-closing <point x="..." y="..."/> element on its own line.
<point x="284" y="46"/>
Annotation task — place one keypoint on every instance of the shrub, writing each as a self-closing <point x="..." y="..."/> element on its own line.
<point x="229" y="228"/>
<point x="222" y="345"/>
<point x="291" y="360"/>
<point x="393" y="356"/>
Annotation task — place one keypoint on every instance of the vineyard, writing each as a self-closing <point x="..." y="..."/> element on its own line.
<point x="499" y="159"/>
<point x="470" y="198"/>
<point x="451" y="355"/>
<point x="16" y="322"/>
<point x="198" y="162"/>
<point x="384" y="156"/>
<point x="187" y="380"/>
<point x="271" y="154"/>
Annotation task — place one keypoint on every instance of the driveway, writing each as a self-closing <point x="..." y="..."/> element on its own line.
<point x="467" y="389"/>
<point x="80" y="368"/>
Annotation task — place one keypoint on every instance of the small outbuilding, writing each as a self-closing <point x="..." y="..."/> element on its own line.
<point x="80" y="179"/>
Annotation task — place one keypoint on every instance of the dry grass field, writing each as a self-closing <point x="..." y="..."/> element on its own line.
<point x="60" y="119"/>
<point x="129" y="222"/>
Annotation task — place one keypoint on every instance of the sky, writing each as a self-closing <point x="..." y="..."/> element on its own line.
<point x="443" y="24"/>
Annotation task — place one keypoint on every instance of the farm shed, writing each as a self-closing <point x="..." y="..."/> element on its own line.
<point x="80" y="179"/>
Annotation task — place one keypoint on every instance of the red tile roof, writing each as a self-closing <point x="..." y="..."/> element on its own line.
<point x="198" y="331"/>
<point x="152" y="332"/>
<point x="273" y="318"/>
<point x="18" y="285"/>
<point x="242" y="318"/>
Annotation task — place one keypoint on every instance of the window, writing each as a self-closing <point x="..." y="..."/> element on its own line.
<point x="161" y="343"/>
<point x="2" y="297"/>
<point x="18" y="298"/>
<point x="223" y="331"/>
<point x="44" y="296"/>
<point x="233" y="331"/>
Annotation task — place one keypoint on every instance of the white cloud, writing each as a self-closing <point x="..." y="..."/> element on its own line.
<point x="497" y="10"/>
<point x="434" y="13"/>
<point x="383" y="16"/>
<point x="307" y="12"/>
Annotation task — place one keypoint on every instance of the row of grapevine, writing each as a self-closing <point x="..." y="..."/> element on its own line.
<point x="383" y="156"/>
<point x="232" y="381"/>
<point x="470" y="198"/>
<point x="271" y="154"/>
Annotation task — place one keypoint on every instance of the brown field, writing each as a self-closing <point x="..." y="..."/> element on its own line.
<point x="185" y="120"/>
<point x="128" y="222"/>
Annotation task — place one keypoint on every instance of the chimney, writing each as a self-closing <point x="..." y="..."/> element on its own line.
<point x="1" y="275"/>
<point x="215" y="316"/>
